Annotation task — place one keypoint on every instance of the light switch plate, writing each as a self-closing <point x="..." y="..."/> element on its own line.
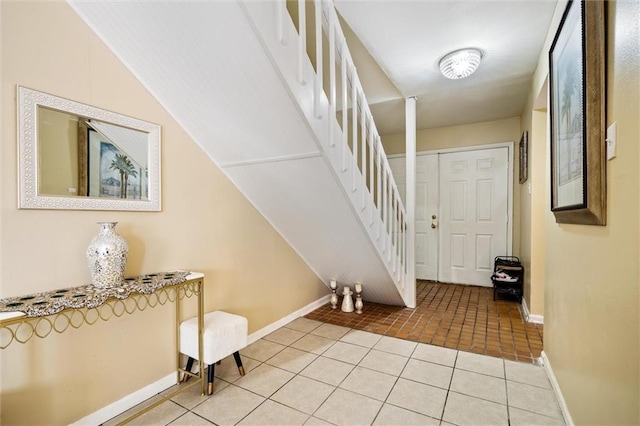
<point x="612" y="133"/>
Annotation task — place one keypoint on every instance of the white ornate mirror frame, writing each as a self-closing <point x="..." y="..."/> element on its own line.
<point x="28" y="156"/>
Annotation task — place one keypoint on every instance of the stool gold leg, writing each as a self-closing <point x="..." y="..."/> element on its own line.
<point x="185" y="376"/>
<point x="236" y="356"/>
<point x="210" y="376"/>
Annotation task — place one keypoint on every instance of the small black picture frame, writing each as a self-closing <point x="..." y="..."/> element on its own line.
<point x="524" y="157"/>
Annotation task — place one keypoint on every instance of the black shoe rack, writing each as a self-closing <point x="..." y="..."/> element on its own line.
<point x="509" y="286"/>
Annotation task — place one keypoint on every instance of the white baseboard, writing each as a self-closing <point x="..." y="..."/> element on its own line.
<point x="129" y="401"/>
<point x="556" y="389"/>
<point x="536" y="319"/>
<point x="135" y="398"/>
<point x="257" y="335"/>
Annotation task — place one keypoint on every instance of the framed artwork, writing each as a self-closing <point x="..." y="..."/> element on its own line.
<point x="524" y="157"/>
<point x="577" y="106"/>
<point x="112" y="173"/>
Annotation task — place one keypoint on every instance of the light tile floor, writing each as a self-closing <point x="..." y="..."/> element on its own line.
<point x="313" y="373"/>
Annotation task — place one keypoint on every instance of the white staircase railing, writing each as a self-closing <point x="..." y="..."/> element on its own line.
<point x="341" y="119"/>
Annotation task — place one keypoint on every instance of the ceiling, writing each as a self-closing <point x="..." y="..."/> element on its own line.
<point x="396" y="46"/>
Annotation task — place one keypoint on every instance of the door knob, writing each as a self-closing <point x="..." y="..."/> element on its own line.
<point x="434" y="221"/>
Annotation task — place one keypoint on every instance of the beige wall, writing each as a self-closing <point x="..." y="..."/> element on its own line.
<point x="58" y="158"/>
<point x="540" y="194"/>
<point x="206" y="225"/>
<point x="533" y="195"/>
<point x="468" y="135"/>
<point x="376" y="84"/>
<point x="592" y="326"/>
<point x="506" y="130"/>
<point x="525" y="214"/>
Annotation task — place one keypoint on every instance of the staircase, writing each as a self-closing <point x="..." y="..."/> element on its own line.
<point x="292" y="131"/>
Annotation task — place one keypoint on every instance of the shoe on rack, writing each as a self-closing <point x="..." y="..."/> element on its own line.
<point x="503" y="276"/>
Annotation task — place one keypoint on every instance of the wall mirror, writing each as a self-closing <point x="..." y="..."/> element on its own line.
<point x="76" y="156"/>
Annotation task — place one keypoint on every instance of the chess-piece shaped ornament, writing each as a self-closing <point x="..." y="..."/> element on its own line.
<point x="347" y="300"/>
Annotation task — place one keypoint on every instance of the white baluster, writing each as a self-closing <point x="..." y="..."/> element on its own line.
<point x="379" y="176"/>
<point x="354" y="122"/>
<point x="396" y="229"/>
<point x="281" y="9"/>
<point x="302" y="40"/>
<point x="332" y="76"/>
<point x="363" y="181"/>
<point x="345" y="112"/>
<point x="389" y="210"/>
<point x="371" y="186"/>
<point x="404" y="250"/>
<point x="384" y="208"/>
<point x="318" y="79"/>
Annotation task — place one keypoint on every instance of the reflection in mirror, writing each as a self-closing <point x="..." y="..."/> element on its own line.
<point x="80" y="157"/>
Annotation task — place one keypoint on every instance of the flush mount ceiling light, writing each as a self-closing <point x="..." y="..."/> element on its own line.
<point x="460" y="64"/>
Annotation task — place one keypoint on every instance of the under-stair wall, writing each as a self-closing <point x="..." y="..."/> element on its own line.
<point x="237" y="77"/>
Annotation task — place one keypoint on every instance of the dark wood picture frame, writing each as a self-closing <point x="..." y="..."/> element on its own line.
<point x="524" y="157"/>
<point x="577" y="77"/>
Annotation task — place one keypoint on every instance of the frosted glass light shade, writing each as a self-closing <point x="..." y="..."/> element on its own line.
<point x="460" y="64"/>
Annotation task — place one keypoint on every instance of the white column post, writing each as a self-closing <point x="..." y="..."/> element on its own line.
<point x="410" y="116"/>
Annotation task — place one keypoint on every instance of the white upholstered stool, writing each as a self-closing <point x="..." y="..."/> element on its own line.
<point x="224" y="334"/>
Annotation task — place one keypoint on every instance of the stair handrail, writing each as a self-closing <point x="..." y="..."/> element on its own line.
<point x="371" y="173"/>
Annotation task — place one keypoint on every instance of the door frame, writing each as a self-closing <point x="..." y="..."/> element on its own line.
<point x="510" y="174"/>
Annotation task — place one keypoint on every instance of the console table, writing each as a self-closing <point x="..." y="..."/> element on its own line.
<point x="40" y="314"/>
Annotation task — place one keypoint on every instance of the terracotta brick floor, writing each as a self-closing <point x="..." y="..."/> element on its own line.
<point x="454" y="316"/>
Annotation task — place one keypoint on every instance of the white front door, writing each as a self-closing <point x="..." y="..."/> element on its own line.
<point x="426" y="253"/>
<point x="467" y="192"/>
<point x="426" y="215"/>
<point x="473" y="214"/>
